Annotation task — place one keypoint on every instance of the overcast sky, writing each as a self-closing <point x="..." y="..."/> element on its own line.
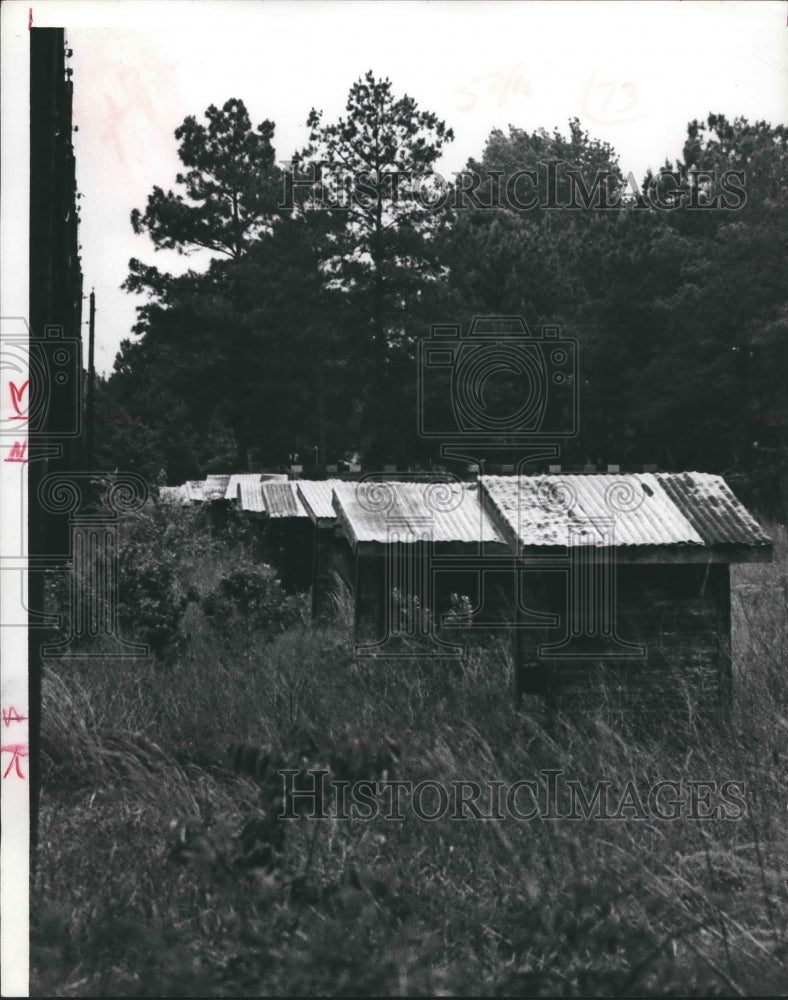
<point x="634" y="73"/>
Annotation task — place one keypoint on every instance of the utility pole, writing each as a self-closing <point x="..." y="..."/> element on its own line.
<point x="91" y="377"/>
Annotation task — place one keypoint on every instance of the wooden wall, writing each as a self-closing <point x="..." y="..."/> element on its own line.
<point x="332" y="569"/>
<point x="449" y="568"/>
<point x="667" y="650"/>
<point x="679" y="614"/>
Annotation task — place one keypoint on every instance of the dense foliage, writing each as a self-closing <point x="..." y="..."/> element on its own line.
<point x="252" y="599"/>
<point x="302" y="335"/>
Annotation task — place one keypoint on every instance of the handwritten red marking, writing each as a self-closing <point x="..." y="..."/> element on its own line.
<point x="12" y="715"/>
<point x="17" y="453"/>
<point x="19" y="750"/>
<point x="16" y="398"/>
<point x="29" y="18"/>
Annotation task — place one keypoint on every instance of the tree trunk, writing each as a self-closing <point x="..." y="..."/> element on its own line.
<point x="320" y="380"/>
<point x="241" y="448"/>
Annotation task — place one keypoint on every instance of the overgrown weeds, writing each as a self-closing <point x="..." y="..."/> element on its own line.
<point x="145" y="884"/>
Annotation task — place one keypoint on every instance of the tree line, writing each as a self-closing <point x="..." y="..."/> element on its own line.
<point x="301" y="336"/>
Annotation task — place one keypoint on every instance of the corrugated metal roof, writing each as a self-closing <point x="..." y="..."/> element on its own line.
<point x="281" y="500"/>
<point x="250" y="496"/>
<point x="215" y="487"/>
<point x="318" y="497"/>
<point x="194" y="490"/>
<point x="231" y="493"/>
<point x="173" y="494"/>
<point x="646" y="509"/>
<point x="710" y="506"/>
<point x="274" y="477"/>
<point x="441" y="512"/>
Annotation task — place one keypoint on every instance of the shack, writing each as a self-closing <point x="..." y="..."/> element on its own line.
<point x="193" y="490"/>
<point x="623" y="589"/>
<point x="413" y="544"/>
<point x="173" y="495"/>
<point x="250" y="479"/>
<point x="215" y="487"/>
<point x="331" y="557"/>
<point x="213" y="491"/>
<point x="247" y="491"/>
<point x="249" y="498"/>
<point x="288" y="537"/>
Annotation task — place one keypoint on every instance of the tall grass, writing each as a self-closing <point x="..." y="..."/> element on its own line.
<point x="138" y="891"/>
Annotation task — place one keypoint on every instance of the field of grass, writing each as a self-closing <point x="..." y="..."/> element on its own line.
<point x="139" y="890"/>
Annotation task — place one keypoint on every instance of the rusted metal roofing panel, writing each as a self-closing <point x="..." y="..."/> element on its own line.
<point x="581" y="510"/>
<point x="250" y="497"/>
<point x="710" y="506"/>
<point x="231" y="493"/>
<point x="411" y="512"/>
<point x="194" y="490"/>
<point x="281" y="500"/>
<point x="318" y="498"/>
<point x="643" y="509"/>
<point x="215" y="487"/>
<point x="244" y="488"/>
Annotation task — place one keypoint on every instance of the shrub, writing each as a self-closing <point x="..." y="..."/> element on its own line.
<point x="151" y="600"/>
<point x="252" y="599"/>
<point x="153" y="591"/>
<point x="460" y="613"/>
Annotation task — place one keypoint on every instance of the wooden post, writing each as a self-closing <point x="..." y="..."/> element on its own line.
<point x="369" y="611"/>
<point x="357" y="583"/>
<point x="315" y="572"/>
<point x="721" y="584"/>
<point x="321" y="571"/>
<point x="378" y="568"/>
<point x="517" y="646"/>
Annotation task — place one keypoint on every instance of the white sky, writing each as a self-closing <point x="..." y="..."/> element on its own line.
<point x="634" y="73"/>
